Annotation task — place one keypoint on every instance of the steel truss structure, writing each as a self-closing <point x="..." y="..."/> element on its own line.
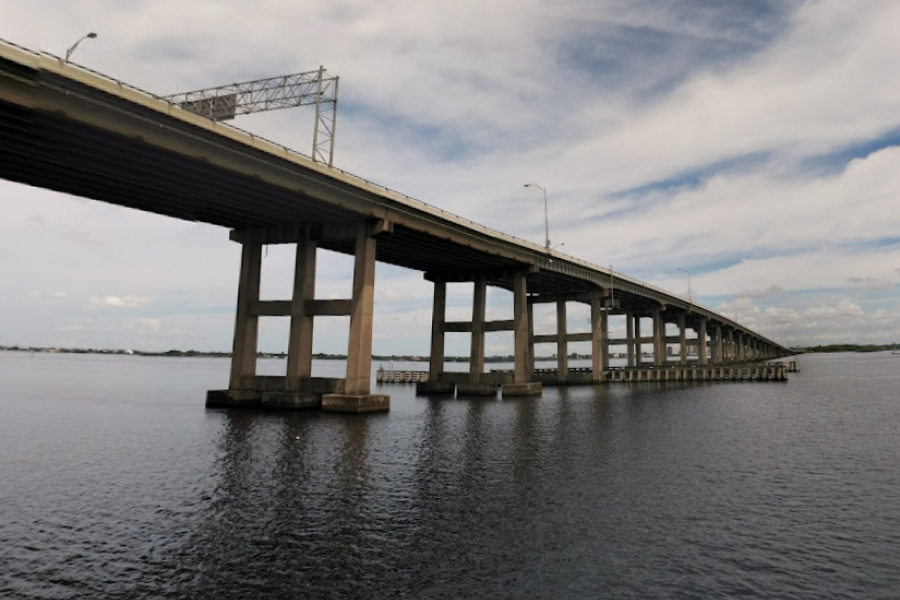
<point x="225" y="102"/>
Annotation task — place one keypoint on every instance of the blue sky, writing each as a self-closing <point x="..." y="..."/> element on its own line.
<point x="752" y="143"/>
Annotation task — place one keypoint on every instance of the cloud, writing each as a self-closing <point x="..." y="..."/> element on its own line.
<point x="872" y="283"/>
<point x="39" y="295"/>
<point x="842" y="310"/>
<point x="754" y="144"/>
<point x="117" y="302"/>
<point x="79" y="237"/>
<point x="149" y="325"/>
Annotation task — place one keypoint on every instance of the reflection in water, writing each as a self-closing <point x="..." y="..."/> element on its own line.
<point x="293" y="495"/>
<point x="473" y="454"/>
<point x="527" y="441"/>
<point x="350" y="519"/>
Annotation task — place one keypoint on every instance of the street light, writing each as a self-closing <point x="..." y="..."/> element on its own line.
<point x="546" y="220"/>
<point x="734" y="302"/>
<point x="71" y="49"/>
<point x="690" y="297"/>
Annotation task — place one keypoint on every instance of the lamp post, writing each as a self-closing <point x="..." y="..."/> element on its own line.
<point x="546" y="219"/>
<point x="690" y="297"/>
<point x="71" y="49"/>
<point x="734" y="303"/>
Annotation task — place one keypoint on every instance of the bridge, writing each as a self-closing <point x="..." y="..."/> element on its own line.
<point x="66" y="128"/>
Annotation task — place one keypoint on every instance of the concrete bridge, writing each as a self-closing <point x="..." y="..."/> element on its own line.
<point x="66" y="128"/>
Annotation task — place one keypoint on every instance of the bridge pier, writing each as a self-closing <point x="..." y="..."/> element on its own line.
<point x="476" y="382"/>
<point x="240" y="390"/>
<point x="299" y="358"/>
<point x="562" y="343"/>
<point x="704" y="349"/>
<point x="522" y="384"/>
<point x="638" y="357"/>
<point x="629" y="337"/>
<point x="434" y="385"/>
<point x="659" y="326"/>
<point x="599" y="340"/>
<point x="719" y="346"/>
<point x="475" y="386"/>
<point x="297" y="388"/>
<point x="356" y="396"/>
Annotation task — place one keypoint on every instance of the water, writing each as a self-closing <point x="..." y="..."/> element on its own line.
<point x="115" y="482"/>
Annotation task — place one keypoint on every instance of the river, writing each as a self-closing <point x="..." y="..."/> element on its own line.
<point x="115" y="482"/>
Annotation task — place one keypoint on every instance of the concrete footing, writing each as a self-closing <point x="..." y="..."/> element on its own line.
<point x="532" y="388"/>
<point x="348" y="403"/>
<point x="291" y="400"/>
<point x="477" y="389"/>
<point x="434" y="387"/>
<point x="232" y="398"/>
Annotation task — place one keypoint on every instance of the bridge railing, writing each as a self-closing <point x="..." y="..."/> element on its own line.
<point x="386" y="191"/>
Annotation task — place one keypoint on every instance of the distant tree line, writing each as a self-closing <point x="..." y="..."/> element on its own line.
<point x="853" y="348"/>
<point x="213" y="354"/>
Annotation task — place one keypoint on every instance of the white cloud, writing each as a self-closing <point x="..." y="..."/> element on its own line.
<point x="118" y="302"/>
<point x="149" y="325"/>
<point x="38" y="295"/>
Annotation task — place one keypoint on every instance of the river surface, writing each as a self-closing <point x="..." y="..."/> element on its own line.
<point x="115" y="482"/>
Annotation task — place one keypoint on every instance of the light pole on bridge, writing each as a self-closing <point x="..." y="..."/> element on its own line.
<point x="690" y="297"/>
<point x="546" y="219"/>
<point x="71" y="49"/>
<point x="734" y="303"/>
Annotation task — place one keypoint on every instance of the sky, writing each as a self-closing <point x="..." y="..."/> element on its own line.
<point x="743" y="153"/>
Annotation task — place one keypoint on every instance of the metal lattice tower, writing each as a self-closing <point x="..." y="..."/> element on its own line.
<point x="225" y="102"/>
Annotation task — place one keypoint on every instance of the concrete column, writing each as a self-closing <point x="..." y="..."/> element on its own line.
<point x="362" y="308"/>
<point x="246" y="325"/>
<point x="521" y="386"/>
<point x="562" y="344"/>
<point x="530" y="368"/>
<point x="638" y="358"/>
<point x="682" y="334"/>
<point x="659" y="354"/>
<point x="434" y="385"/>
<point x="740" y="346"/>
<point x="604" y="341"/>
<point x="438" y="318"/>
<point x="476" y="356"/>
<point x="520" y="322"/>
<point x="629" y="337"/>
<point x="597" y="331"/>
<point x="702" y="351"/>
<point x="300" y="344"/>
<point x="732" y="357"/>
<point x="720" y="345"/>
<point x="357" y="396"/>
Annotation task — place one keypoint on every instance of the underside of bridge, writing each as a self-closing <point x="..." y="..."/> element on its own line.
<point x="74" y="132"/>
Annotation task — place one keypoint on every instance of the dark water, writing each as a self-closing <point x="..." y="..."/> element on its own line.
<point x="115" y="482"/>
